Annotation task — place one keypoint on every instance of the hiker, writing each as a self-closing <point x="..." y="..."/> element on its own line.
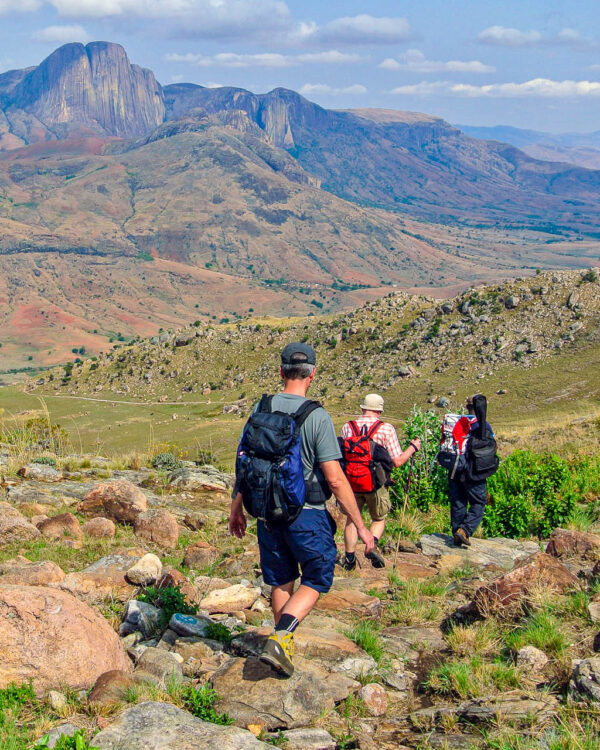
<point x="468" y="451"/>
<point x="287" y="466"/>
<point x="371" y="449"/>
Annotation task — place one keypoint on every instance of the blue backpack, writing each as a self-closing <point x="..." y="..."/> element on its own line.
<point x="269" y="465"/>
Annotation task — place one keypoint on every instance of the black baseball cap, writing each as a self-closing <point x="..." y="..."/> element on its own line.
<point x="298" y="353"/>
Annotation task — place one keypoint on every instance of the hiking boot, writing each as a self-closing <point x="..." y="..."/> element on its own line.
<point x="278" y="652"/>
<point x="461" y="538"/>
<point x="376" y="558"/>
<point x="346" y="564"/>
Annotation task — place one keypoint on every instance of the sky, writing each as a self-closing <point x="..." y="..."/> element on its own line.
<point x="527" y="63"/>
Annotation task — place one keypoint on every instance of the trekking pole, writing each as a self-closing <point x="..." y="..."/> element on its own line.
<point x="406" y="495"/>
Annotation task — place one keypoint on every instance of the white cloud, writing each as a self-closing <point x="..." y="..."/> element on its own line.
<point x="413" y="60"/>
<point x="262" y="60"/>
<point x="61" y="34"/>
<point x="503" y="36"/>
<point x="363" y="29"/>
<point x="535" y="88"/>
<point x="319" y="89"/>
<point x="22" y="6"/>
<point x="507" y="37"/>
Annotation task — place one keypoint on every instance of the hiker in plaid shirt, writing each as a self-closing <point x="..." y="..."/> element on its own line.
<point x="378" y="502"/>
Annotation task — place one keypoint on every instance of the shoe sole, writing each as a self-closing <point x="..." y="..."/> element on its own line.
<point x="276" y="665"/>
<point x="376" y="561"/>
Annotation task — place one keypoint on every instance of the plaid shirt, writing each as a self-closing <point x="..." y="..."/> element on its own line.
<point x="385" y="435"/>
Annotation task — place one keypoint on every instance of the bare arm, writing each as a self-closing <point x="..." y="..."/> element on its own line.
<point x="237" y="518"/>
<point x="413" y="447"/>
<point x="336" y="479"/>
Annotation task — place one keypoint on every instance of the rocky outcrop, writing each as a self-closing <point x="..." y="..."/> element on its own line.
<point x="14" y="527"/>
<point x="49" y="637"/>
<point x="120" y="501"/>
<point x="92" y="87"/>
<point x="503" y="553"/>
<point x="570" y="543"/>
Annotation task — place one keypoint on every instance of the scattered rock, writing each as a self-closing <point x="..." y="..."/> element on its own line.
<point x="145" y="571"/>
<point x="570" y="543"/>
<point x="251" y="694"/>
<point x="58" y="701"/>
<point x="585" y="681"/>
<point x="375" y="698"/>
<point x="105" y="577"/>
<point x="60" y="527"/>
<point x="349" y="600"/>
<point x="159" y="666"/>
<point x="539" y="570"/>
<point x="199" y="555"/>
<point x="40" y="473"/>
<point x="442" y="402"/>
<point x="63" y="730"/>
<point x="594" y="608"/>
<point x="503" y="553"/>
<point x="195" y="521"/>
<point x="195" y="480"/>
<point x="52" y="638"/>
<point x="188" y="625"/>
<point x="14" y="527"/>
<point x="157" y="526"/>
<point x="231" y="599"/>
<point x="120" y="501"/>
<point x="512" y="302"/>
<point x="532" y="659"/>
<point x="308" y="739"/>
<point x="140" y="617"/>
<point x="111" y="687"/>
<point x="100" y="528"/>
<point x="161" y="726"/>
<point x="26" y="573"/>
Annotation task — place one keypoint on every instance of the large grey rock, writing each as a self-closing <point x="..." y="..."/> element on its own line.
<point x="159" y="666"/>
<point x="188" y="625"/>
<point x="140" y="617"/>
<point x="498" y="551"/>
<point x="308" y="739"/>
<point x="251" y="693"/>
<point x="200" y="479"/>
<point x="40" y="473"/>
<point x="161" y="726"/>
<point x="585" y="682"/>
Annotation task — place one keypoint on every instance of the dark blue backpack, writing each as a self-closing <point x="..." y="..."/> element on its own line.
<point x="269" y="465"/>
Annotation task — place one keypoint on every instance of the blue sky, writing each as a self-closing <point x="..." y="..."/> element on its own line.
<point x="526" y="63"/>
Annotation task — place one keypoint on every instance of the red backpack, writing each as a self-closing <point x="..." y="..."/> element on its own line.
<point x="358" y="463"/>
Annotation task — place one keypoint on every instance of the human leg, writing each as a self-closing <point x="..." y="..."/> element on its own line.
<point x="458" y="503"/>
<point x="476" y="493"/>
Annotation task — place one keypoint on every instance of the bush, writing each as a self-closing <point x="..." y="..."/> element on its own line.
<point x="200" y="702"/>
<point x="44" y="460"/>
<point x="429" y="483"/>
<point x="530" y="495"/>
<point x="75" y="742"/>
<point x="170" y="599"/>
<point x="166" y="462"/>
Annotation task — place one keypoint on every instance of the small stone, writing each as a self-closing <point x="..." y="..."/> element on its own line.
<point x="375" y="698"/>
<point x="308" y="739"/>
<point x="63" y="730"/>
<point x="442" y="402"/>
<point x="58" y="701"/>
<point x="199" y="555"/>
<point x="111" y="687"/>
<point x="158" y="526"/>
<point x="195" y="521"/>
<point x="62" y="526"/>
<point x="531" y="658"/>
<point x="512" y="302"/>
<point x="40" y="473"/>
<point x="188" y="625"/>
<point x="230" y="599"/>
<point x="146" y="571"/>
<point x="140" y="617"/>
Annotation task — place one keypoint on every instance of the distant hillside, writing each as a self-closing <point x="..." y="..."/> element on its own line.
<point x="582" y="149"/>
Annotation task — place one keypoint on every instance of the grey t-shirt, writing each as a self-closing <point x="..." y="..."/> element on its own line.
<point x="317" y="434"/>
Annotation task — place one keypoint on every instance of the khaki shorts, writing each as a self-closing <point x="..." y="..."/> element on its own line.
<point x="377" y="502"/>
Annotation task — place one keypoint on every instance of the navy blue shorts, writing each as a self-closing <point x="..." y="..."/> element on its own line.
<point x="307" y="543"/>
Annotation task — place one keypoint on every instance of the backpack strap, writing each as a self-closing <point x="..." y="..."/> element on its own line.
<point x="373" y="429"/>
<point x="264" y="405"/>
<point x="354" y="427"/>
<point x="305" y="411"/>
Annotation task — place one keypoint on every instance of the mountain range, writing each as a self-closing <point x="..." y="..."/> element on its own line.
<point x="126" y="206"/>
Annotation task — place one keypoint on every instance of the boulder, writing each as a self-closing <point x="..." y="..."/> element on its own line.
<point x="64" y="526"/>
<point x="375" y="698"/>
<point x="162" y="726"/>
<point x="503" y="553"/>
<point x="198" y="480"/>
<point x="188" y="625"/>
<point x="111" y="687"/>
<point x="570" y="543"/>
<point x="140" y="617"/>
<point x="23" y="571"/>
<point x="195" y="521"/>
<point x="350" y="601"/>
<point x="40" y="473"/>
<point x="105" y="577"/>
<point x="158" y="666"/>
<point x="585" y="681"/>
<point x="14" y="527"/>
<point x="252" y="694"/>
<point x="145" y="571"/>
<point x="308" y="739"/>
<point x="120" y="501"/>
<point x="199" y="555"/>
<point x="537" y="571"/>
<point x="100" y="528"/>
<point x="52" y="638"/>
<point x="512" y="302"/>
<point x="231" y="599"/>
<point x="333" y="650"/>
<point x="157" y="526"/>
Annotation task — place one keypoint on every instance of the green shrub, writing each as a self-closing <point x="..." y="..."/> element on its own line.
<point x="75" y="742"/>
<point x="170" y="600"/>
<point x="216" y="631"/>
<point x="166" y="462"/>
<point x="44" y="460"/>
<point x="366" y="635"/>
<point x="200" y="702"/>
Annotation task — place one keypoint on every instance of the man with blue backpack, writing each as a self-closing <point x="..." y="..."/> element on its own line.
<point x="468" y="451"/>
<point x="287" y="466"/>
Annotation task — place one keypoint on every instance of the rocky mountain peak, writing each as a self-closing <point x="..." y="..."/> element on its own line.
<point x="91" y="86"/>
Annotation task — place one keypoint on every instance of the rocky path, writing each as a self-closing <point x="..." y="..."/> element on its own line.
<point x="138" y="620"/>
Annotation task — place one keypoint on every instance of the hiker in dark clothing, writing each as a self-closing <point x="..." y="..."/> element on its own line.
<point x="307" y="541"/>
<point x="468" y="495"/>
